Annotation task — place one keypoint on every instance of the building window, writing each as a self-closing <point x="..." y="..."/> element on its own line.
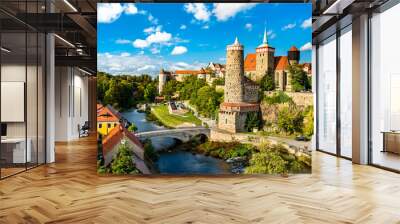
<point x="108" y="125"/>
<point x="226" y="121"/>
<point x="327" y="95"/>
<point x="100" y="125"/>
<point x="385" y="89"/>
<point x="115" y="125"/>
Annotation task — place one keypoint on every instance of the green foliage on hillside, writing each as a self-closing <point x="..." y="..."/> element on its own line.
<point x="299" y="78"/>
<point x="207" y="101"/>
<point x="125" y="91"/>
<point x="290" y="119"/>
<point x="225" y="150"/>
<point x="267" y="83"/>
<point x="278" y="98"/>
<point x="308" y="129"/>
<point x="203" y="97"/>
<point x="275" y="159"/>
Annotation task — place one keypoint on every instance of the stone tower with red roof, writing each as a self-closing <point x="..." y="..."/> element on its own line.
<point x="238" y="92"/>
<point x="265" y="61"/>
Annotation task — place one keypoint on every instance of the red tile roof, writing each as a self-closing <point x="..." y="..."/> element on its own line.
<point x="293" y="48"/>
<point x="104" y="114"/>
<point x="250" y="62"/>
<point x="187" y="72"/>
<point x="281" y="62"/>
<point x="115" y="137"/>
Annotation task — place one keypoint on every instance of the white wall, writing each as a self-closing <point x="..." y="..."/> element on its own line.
<point x="71" y="102"/>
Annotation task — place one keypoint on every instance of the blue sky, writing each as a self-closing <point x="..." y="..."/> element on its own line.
<point x="142" y="38"/>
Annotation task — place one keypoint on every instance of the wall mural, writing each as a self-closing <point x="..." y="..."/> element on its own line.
<point x="195" y="88"/>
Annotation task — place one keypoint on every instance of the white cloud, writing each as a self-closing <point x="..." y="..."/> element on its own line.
<point x="248" y="26"/>
<point x="140" y="64"/>
<point x="306" y="47"/>
<point x="271" y="34"/>
<point x="224" y="11"/>
<point x="109" y="12"/>
<point x="306" y="23"/>
<point x="183" y="27"/>
<point x="125" y="54"/>
<point x="152" y="29"/>
<point x="152" y="19"/>
<point x="179" y="50"/>
<point x="159" y="37"/>
<point x="139" y="43"/>
<point x="130" y="9"/>
<point x="222" y="59"/>
<point x="199" y="11"/>
<point x="289" y="26"/>
<point x="155" y="50"/>
<point x="122" y="41"/>
<point x="146" y="67"/>
<point x="205" y="27"/>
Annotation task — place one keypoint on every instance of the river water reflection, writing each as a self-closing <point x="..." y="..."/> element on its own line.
<point x="176" y="161"/>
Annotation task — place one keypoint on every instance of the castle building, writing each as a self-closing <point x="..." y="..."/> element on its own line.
<point x="163" y="77"/>
<point x="240" y="93"/>
<point x="264" y="62"/>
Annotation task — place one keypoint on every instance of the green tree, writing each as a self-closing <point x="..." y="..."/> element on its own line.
<point x="290" y="119"/>
<point x="252" y="121"/>
<point x="169" y="89"/>
<point x="278" y="98"/>
<point x="299" y="78"/>
<point x="150" y="92"/>
<point x="123" y="162"/>
<point x="267" y="83"/>
<point x="267" y="161"/>
<point x="149" y="150"/>
<point x="132" y="127"/>
<point x="308" y="129"/>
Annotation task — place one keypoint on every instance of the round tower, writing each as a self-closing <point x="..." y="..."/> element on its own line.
<point x="234" y="73"/>
<point x="162" y="79"/>
<point x="265" y="58"/>
<point x="293" y="55"/>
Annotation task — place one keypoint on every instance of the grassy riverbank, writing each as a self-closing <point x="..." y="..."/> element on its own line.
<point x="170" y="120"/>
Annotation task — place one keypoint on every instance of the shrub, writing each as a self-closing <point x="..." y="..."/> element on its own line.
<point x="123" y="162"/>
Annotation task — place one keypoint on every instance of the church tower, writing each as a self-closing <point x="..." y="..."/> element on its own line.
<point x="234" y="73"/>
<point x="293" y="55"/>
<point x="265" y="59"/>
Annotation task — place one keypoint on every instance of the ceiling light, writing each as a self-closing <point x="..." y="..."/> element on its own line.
<point x="5" y="50"/>
<point x="64" y="40"/>
<point x="70" y="5"/>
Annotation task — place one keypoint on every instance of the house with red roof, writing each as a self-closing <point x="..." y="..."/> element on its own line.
<point x="120" y="135"/>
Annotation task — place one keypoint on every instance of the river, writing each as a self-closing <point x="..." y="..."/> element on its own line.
<point x="180" y="161"/>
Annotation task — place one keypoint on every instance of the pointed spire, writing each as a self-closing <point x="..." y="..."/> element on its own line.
<point x="236" y="41"/>
<point x="265" y="41"/>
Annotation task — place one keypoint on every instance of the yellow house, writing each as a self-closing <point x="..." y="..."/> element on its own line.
<point x="107" y="120"/>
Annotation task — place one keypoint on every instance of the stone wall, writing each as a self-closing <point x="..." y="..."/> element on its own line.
<point x="300" y="98"/>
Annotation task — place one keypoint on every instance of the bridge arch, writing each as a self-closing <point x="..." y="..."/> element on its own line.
<point x="182" y="134"/>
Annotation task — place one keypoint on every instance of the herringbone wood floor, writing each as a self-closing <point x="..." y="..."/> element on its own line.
<point x="70" y="191"/>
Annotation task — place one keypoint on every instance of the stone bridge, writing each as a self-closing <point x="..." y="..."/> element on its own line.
<point x="182" y="134"/>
